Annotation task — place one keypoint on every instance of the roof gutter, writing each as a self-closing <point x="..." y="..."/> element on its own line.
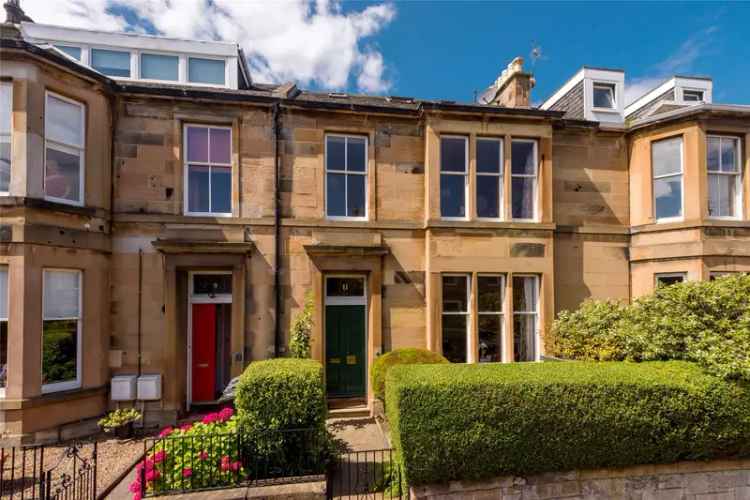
<point x="732" y="109"/>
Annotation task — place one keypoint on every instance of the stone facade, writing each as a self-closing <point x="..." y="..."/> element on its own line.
<point x="137" y="248"/>
<point x="719" y="480"/>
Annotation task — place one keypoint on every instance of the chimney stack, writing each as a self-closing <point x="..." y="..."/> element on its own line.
<point x="513" y="86"/>
<point x="14" y="14"/>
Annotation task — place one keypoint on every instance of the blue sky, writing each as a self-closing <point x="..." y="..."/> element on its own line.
<point x="444" y="49"/>
<point x="449" y="49"/>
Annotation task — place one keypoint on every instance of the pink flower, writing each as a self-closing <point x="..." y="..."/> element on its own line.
<point x="203" y="455"/>
<point x="137" y="496"/>
<point x="225" y="465"/>
<point x="226" y="414"/>
<point x="135" y="487"/>
<point x="210" y="418"/>
<point x="159" y="456"/>
<point x="152" y="475"/>
<point x="187" y="472"/>
<point x="166" y="432"/>
<point x="186" y="427"/>
<point x="236" y="466"/>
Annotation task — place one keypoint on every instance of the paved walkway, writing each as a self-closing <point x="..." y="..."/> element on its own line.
<point x="357" y="434"/>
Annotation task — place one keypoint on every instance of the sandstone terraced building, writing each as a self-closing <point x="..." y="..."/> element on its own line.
<point x="163" y="216"/>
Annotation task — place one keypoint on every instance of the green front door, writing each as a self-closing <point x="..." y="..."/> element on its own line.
<point x="345" y="350"/>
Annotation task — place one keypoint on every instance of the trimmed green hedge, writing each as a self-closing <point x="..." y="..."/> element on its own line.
<point x="282" y="394"/>
<point x="468" y="422"/>
<point x="406" y="356"/>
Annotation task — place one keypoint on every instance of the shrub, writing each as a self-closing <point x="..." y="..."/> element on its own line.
<point x="707" y="322"/>
<point x="299" y="338"/>
<point x="209" y="456"/>
<point x="469" y="422"/>
<point x="282" y="394"/>
<point x="406" y="356"/>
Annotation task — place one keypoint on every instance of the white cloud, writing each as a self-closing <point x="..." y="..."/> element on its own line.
<point x="310" y="43"/>
<point x="681" y="60"/>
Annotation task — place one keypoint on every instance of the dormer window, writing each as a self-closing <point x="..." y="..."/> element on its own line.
<point x="160" y="67"/>
<point x="604" y="95"/>
<point x="74" y="52"/>
<point x="692" y="95"/>
<point x="111" y="62"/>
<point x="209" y="71"/>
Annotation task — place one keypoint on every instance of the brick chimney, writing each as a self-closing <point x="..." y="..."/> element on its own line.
<point x="513" y="86"/>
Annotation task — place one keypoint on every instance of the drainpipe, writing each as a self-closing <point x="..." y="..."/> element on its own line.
<point x="140" y="296"/>
<point x="277" y="232"/>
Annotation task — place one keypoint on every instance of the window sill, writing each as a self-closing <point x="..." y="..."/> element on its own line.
<point x="488" y="224"/>
<point x="63" y="201"/>
<point x="67" y="386"/>
<point x="335" y="218"/>
<point x="614" y="111"/>
<point x="52" y="398"/>
<point x="48" y="204"/>
<point x="222" y="215"/>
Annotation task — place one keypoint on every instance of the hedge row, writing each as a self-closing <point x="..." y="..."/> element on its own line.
<point x="464" y="422"/>
<point x="405" y="356"/>
<point x="706" y="322"/>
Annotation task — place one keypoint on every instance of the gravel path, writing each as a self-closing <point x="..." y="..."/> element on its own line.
<point x="113" y="457"/>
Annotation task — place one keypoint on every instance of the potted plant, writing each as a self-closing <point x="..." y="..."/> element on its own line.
<point x="120" y="422"/>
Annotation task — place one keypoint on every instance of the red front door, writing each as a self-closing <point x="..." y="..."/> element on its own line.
<point x="204" y="352"/>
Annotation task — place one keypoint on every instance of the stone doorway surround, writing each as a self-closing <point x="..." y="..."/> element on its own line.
<point x="331" y="257"/>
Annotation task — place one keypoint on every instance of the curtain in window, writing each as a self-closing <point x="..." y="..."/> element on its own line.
<point x="61" y="329"/>
<point x="525" y="297"/>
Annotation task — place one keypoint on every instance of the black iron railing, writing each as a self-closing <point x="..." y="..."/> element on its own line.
<point x="35" y="472"/>
<point x="371" y="474"/>
<point x="178" y="464"/>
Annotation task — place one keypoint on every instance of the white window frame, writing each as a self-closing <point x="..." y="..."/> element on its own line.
<point x="535" y="184"/>
<point x="9" y="136"/>
<point x="5" y="319"/>
<point x="465" y="175"/>
<point x="347" y="173"/>
<point x="501" y="313"/>
<point x="140" y="53"/>
<point x="682" y="274"/>
<point x="500" y="180"/>
<point x="738" y="200"/>
<point x="664" y="176"/>
<point x="467" y="313"/>
<point x="208" y="58"/>
<point x="187" y="163"/>
<point x="611" y="87"/>
<point x="535" y="313"/>
<point x="68" y="384"/>
<point x="693" y="91"/>
<point x="133" y="60"/>
<point x="66" y="148"/>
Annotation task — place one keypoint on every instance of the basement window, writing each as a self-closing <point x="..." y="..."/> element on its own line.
<point x="724" y="179"/>
<point x="208" y="170"/>
<point x="489" y="183"/>
<point x="604" y="96"/>
<point x="61" y="330"/>
<point x="64" y="137"/>
<point x="667" y="279"/>
<point x="3" y="329"/>
<point x="346" y="177"/>
<point x="6" y="113"/>
<point x="454" y="161"/>
<point x="666" y="165"/>
<point x="456" y="300"/>
<point x="525" y="318"/>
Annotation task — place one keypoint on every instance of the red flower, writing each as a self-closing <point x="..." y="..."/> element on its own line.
<point x="137" y="496"/>
<point x="210" y="418"/>
<point x="186" y="427"/>
<point x="152" y="475"/>
<point x="225" y="465"/>
<point x="187" y="472"/>
<point x="159" y="456"/>
<point x="203" y="455"/>
<point x="236" y="466"/>
<point x="135" y="487"/>
<point x="226" y="414"/>
<point x="166" y="432"/>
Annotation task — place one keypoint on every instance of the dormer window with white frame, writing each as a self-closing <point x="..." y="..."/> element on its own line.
<point x="604" y="96"/>
<point x="692" y="95"/>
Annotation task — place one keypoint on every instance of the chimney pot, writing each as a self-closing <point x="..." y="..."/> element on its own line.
<point x="513" y="86"/>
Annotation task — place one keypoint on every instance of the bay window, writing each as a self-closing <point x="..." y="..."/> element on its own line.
<point x="456" y="300"/>
<point x="490" y="300"/>
<point x="4" y="303"/>
<point x="61" y="330"/>
<point x="454" y="163"/>
<point x="666" y="164"/>
<point x="524" y="178"/>
<point x="724" y="178"/>
<point x="208" y="170"/>
<point x="346" y="176"/>
<point x="525" y="317"/>
<point x="6" y="112"/>
<point x="64" y="139"/>
<point x="489" y="182"/>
